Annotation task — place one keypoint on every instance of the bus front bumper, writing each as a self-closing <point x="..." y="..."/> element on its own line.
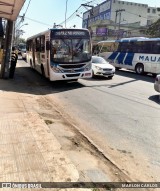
<point x="69" y="76"/>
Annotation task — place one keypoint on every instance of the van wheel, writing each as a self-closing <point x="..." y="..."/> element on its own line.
<point x="139" y="69"/>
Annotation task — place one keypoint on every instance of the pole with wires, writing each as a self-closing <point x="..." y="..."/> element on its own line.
<point x="66" y="12"/>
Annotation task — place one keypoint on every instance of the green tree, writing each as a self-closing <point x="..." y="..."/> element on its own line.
<point x="154" y="29"/>
<point x="22" y="40"/>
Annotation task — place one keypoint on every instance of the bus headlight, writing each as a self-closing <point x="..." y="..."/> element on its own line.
<point x="88" y="67"/>
<point x="55" y="69"/>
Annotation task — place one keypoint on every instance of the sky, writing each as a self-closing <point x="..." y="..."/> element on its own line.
<point x="42" y="14"/>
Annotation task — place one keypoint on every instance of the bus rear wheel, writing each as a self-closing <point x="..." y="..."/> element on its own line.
<point x="31" y="65"/>
<point x="42" y="70"/>
<point x="139" y="69"/>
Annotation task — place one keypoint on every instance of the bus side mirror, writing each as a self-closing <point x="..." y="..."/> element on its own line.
<point x="47" y="45"/>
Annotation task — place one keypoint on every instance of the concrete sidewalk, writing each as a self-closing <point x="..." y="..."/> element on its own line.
<point x="29" y="152"/>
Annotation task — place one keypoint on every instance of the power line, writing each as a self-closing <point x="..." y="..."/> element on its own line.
<point x="25" y="11"/>
<point x="70" y="16"/>
<point x="27" y="7"/>
<point x="23" y="16"/>
<point x="73" y="15"/>
<point x="38" y="22"/>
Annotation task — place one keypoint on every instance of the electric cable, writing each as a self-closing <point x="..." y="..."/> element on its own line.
<point x="27" y="7"/>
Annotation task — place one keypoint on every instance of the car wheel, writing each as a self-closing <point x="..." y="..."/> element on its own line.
<point x="93" y="74"/>
<point x="110" y="77"/>
<point x="139" y="69"/>
<point x="118" y="68"/>
<point x="154" y="75"/>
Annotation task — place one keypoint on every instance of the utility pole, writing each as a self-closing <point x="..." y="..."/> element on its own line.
<point x="119" y="11"/>
<point x="85" y="5"/>
<point x="7" y="50"/>
<point x="91" y="12"/>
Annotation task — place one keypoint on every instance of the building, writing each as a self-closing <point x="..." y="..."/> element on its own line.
<point x="153" y="14"/>
<point x="9" y="11"/>
<point x="114" y="19"/>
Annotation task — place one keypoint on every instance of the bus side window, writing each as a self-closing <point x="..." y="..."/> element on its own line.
<point x="37" y="44"/>
<point x="114" y="47"/>
<point x="95" y="50"/>
<point x="119" y="47"/>
<point x="131" y="45"/>
<point x="42" y="46"/>
<point x="147" y="47"/>
<point x="137" y="47"/>
<point x="105" y="48"/>
<point x="122" y="47"/>
<point x="47" y="45"/>
<point x="155" y="47"/>
<point x="27" y="46"/>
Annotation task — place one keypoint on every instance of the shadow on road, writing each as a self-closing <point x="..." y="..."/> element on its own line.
<point x="99" y="78"/>
<point x="155" y="98"/>
<point x="27" y="80"/>
<point x="133" y="75"/>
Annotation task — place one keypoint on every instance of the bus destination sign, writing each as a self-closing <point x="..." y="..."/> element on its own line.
<point x="70" y="33"/>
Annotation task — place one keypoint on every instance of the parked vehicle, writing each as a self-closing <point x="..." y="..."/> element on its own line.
<point x="101" y="67"/>
<point x="23" y="53"/>
<point x="21" y="46"/>
<point x="157" y="83"/>
<point x="139" y="54"/>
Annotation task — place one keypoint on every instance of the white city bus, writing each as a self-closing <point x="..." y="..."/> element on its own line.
<point x="61" y="54"/>
<point x="139" y="54"/>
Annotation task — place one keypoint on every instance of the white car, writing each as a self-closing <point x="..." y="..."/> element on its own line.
<point x="157" y="83"/>
<point x="101" y="67"/>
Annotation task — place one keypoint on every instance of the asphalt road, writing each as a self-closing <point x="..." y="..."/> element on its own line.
<point x="121" y="116"/>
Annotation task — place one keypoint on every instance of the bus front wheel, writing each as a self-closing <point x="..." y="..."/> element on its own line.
<point x="139" y="69"/>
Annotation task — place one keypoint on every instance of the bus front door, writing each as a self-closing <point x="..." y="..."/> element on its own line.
<point x="33" y="54"/>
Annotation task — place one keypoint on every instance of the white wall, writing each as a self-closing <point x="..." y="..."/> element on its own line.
<point x="134" y="12"/>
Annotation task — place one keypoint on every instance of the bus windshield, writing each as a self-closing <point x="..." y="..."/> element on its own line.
<point x="67" y="50"/>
